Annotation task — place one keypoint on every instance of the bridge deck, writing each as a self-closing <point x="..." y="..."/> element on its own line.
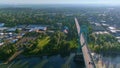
<point x="86" y="54"/>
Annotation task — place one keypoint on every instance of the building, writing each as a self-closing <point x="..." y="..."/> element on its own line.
<point x="1" y="43"/>
<point x="3" y="28"/>
<point x="111" y="28"/>
<point x="38" y="29"/>
<point x="41" y="28"/>
<point x="2" y="24"/>
<point x="11" y="29"/>
<point x="101" y="32"/>
<point x="66" y="29"/>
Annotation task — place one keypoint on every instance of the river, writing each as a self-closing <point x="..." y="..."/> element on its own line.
<point x="107" y="61"/>
<point x="56" y="61"/>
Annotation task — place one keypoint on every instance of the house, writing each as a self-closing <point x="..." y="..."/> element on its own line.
<point x="1" y="33"/>
<point x="111" y="28"/>
<point x="119" y="41"/>
<point x="11" y="29"/>
<point x="2" y="24"/>
<point x="65" y="30"/>
<point x="14" y="40"/>
<point x="101" y="32"/>
<point x="1" y="43"/>
<point x="3" y="28"/>
<point x="105" y="24"/>
<point x="19" y="36"/>
<point x="41" y="28"/>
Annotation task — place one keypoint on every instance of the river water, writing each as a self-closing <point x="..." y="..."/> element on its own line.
<point x="45" y="62"/>
<point x="107" y="61"/>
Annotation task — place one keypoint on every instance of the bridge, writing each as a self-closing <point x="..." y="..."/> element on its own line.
<point x="89" y="63"/>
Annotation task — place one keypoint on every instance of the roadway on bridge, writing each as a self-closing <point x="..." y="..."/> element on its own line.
<point x="86" y="53"/>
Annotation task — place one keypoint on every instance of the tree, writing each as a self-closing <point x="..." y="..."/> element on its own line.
<point x="17" y="31"/>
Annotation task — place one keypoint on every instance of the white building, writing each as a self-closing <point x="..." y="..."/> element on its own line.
<point x="101" y="32"/>
<point x="1" y="44"/>
<point x="112" y="28"/>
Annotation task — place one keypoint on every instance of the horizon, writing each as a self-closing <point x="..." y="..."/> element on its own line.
<point x="65" y="5"/>
<point x="52" y="2"/>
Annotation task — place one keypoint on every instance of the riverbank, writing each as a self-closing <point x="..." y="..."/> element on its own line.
<point x="106" y="61"/>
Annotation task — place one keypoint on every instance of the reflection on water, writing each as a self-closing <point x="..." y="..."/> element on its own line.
<point x="44" y="62"/>
<point x="107" y="61"/>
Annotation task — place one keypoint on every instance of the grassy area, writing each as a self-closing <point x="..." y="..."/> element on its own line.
<point x="41" y="44"/>
<point x="73" y="44"/>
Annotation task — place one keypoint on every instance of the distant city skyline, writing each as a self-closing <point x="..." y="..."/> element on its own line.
<point x="107" y="2"/>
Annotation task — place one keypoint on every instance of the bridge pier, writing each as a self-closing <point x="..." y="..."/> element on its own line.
<point x="78" y="58"/>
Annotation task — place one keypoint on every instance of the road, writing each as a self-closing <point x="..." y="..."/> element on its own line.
<point x="17" y="53"/>
<point x="86" y="53"/>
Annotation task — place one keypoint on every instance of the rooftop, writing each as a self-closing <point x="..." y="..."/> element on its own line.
<point x="112" y="28"/>
<point x="101" y="32"/>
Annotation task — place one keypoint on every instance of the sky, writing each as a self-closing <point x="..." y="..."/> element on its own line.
<point x="111" y="2"/>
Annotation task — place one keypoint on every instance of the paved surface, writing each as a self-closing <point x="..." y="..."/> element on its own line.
<point x="86" y="54"/>
<point x="14" y="56"/>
